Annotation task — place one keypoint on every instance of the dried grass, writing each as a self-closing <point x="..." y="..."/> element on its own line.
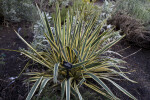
<point x="133" y="28"/>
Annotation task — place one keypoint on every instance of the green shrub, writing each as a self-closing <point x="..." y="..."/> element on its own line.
<point x="133" y="18"/>
<point x="76" y="54"/>
<point x="135" y="8"/>
<point x="61" y="2"/>
<point x="18" y="10"/>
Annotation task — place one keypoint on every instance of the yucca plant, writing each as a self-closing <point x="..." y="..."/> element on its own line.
<point x="76" y="54"/>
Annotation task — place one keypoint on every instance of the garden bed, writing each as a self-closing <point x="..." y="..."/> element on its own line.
<point x="14" y="62"/>
<point x="13" y="89"/>
<point x="138" y="63"/>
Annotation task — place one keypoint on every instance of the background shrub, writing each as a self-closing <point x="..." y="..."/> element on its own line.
<point x="133" y="18"/>
<point x="18" y="10"/>
<point x="139" y="9"/>
<point x="133" y="28"/>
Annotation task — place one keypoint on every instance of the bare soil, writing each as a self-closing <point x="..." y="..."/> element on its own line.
<point x="138" y="63"/>
<point x="14" y="62"/>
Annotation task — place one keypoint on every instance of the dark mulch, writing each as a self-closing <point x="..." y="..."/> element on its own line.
<point x="139" y="65"/>
<point x="14" y="62"/>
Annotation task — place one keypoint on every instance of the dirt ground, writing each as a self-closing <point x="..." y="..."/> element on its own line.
<point x="138" y="62"/>
<point x="14" y="62"/>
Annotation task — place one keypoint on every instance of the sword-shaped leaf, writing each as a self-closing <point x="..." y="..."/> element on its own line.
<point x="34" y="88"/>
<point x="79" y="64"/>
<point x="121" y="89"/>
<point x="68" y="84"/>
<point x="55" y="73"/>
<point x="43" y="84"/>
<point x="100" y="82"/>
<point x="62" y="89"/>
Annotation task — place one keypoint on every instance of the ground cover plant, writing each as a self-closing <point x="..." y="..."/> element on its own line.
<point x="75" y="55"/>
